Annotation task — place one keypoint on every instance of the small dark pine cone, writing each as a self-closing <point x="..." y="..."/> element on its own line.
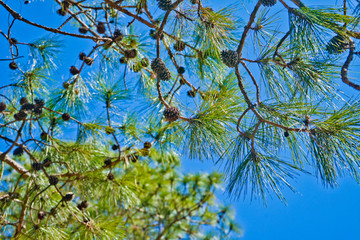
<point x="68" y="197"/>
<point x="110" y="176"/>
<point x="41" y="215"/>
<point x="337" y="44"/>
<point x="100" y="28"/>
<point x="107" y="162"/>
<point x="65" y="4"/>
<point x="13" y="66"/>
<point x="165" y="5"/>
<point x="53" y="180"/>
<point x="39" y="102"/>
<point x="36" y="227"/>
<point x="123" y="60"/>
<point x="130" y="53"/>
<point x="38" y="110"/>
<point x="115" y="147"/>
<point x="181" y="70"/>
<point x="88" y="60"/>
<point x="157" y="65"/>
<point x="65" y="116"/>
<point x="84" y="204"/>
<point x="28" y="107"/>
<point x="74" y="70"/>
<point x="229" y="58"/>
<point x="286" y="134"/>
<point x="191" y="93"/>
<point x="134" y="157"/>
<point x="26" y="2"/>
<point x="83" y="30"/>
<point x="182" y="82"/>
<point x="171" y="114"/>
<point x="36" y="166"/>
<point x="23" y="100"/>
<point x="268" y="3"/>
<point x="179" y="46"/>
<point x="82" y="55"/>
<point x="194" y="1"/>
<point x="13" y="41"/>
<point x="164" y="75"/>
<point x="2" y="107"/>
<point x="44" y="136"/>
<point x="18" y="151"/>
<point x="46" y="163"/>
<point x="21" y="115"/>
<point x="118" y="36"/>
<point x="147" y="145"/>
<point x="145" y="62"/>
<point x="61" y="12"/>
<point x="79" y="207"/>
<point x="153" y="34"/>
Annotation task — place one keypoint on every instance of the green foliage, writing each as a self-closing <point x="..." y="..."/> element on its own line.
<point x="109" y="129"/>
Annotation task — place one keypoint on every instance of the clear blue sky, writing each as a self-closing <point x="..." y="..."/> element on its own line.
<point x="313" y="213"/>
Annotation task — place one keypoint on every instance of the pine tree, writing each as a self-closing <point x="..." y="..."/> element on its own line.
<point x="97" y="155"/>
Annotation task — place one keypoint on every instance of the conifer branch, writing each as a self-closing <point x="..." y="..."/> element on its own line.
<point x="54" y="30"/>
<point x="247" y="28"/>
<point x="345" y="67"/>
<point x="15" y="165"/>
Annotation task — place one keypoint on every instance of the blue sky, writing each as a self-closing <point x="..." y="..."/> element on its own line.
<point x="314" y="212"/>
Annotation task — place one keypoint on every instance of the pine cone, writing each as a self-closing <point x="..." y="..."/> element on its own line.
<point x="130" y="53"/>
<point x="83" y="30"/>
<point x="179" y="46"/>
<point x="100" y="28"/>
<point x="164" y="75"/>
<point x="81" y="56"/>
<point x="123" y="60"/>
<point x="23" y="100"/>
<point x="39" y="102"/>
<point x="21" y="115"/>
<point x="118" y="36"/>
<point x="65" y="116"/>
<point x="268" y="3"/>
<point x="74" y="70"/>
<point x="107" y="162"/>
<point x="18" y="151"/>
<point x="171" y="114"/>
<point x="157" y="65"/>
<point x="68" y="197"/>
<point x="53" y="180"/>
<point x="88" y="60"/>
<point x="165" y="5"/>
<point x="110" y="176"/>
<point x="229" y="58"/>
<point x="41" y="215"/>
<point x="145" y="62"/>
<point x="83" y="205"/>
<point x="27" y="107"/>
<point x="13" y="66"/>
<point x="191" y="93"/>
<point x="38" y="110"/>
<point x="337" y="44"/>
<point x="2" y="107"/>
<point x="36" y="166"/>
<point x="181" y="70"/>
<point x="147" y="145"/>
